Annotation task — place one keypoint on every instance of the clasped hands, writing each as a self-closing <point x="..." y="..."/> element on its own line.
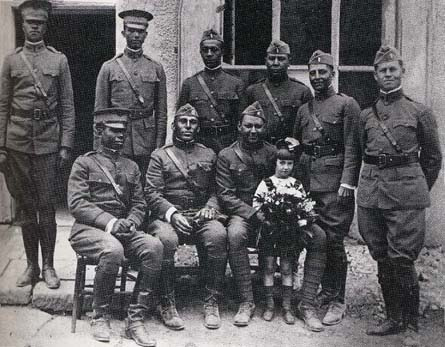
<point x="182" y="223"/>
<point x="123" y="229"/>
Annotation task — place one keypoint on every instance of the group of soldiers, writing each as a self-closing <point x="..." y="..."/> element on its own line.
<point x="136" y="197"/>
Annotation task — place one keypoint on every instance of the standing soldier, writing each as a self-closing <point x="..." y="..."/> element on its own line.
<point x="36" y="135"/>
<point x="324" y="128"/>
<point x="279" y="95"/>
<point x="106" y="199"/>
<point x="240" y="168"/>
<point x="400" y="148"/>
<point x="217" y="96"/>
<point x="180" y="191"/>
<point x="135" y="81"/>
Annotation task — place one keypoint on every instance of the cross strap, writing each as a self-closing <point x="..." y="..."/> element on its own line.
<point x="131" y="82"/>
<point x="386" y="131"/>
<point x="107" y="173"/>
<point x="272" y="101"/>
<point x="192" y="184"/>
<point x="37" y="84"/>
<point x="207" y="91"/>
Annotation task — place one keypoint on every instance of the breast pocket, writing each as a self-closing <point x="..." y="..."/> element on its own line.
<point x="226" y="100"/>
<point x="242" y="177"/>
<point x="119" y="84"/>
<point x="199" y="99"/>
<point x="100" y="186"/>
<point x="50" y="79"/>
<point x="149" y="83"/>
<point x="405" y="132"/>
<point x="202" y="173"/>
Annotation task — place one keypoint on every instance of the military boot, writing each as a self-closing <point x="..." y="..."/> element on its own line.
<point x="212" y="319"/>
<point x="288" y="315"/>
<point x="100" y="323"/>
<point x="411" y="316"/>
<point x="31" y="243"/>
<point x="48" y="232"/>
<point x="215" y="272"/>
<point x="308" y="313"/>
<point x="134" y="325"/>
<point x="269" y="310"/>
<point x="167" y="310"/>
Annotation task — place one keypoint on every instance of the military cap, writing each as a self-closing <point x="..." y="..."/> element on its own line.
<point x="283" y="151"/>
<point x="136" y="19"/>
<point x="254" y="110"/>
<point x="211" y="34"/>
<point x="112" y="117"/>
<point x="385" y="54"/>
<point x="35" y="9"/>
<point x="278" y="47"/>
<point x="320" y="57"/>
<point x="187" y="110"/>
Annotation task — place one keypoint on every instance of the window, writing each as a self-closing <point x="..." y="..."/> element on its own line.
<point x="350" y="29"/>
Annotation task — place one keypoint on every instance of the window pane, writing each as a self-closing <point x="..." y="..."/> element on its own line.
<point x="360" y="31"/>
<point x="360" y="85"/>
<point x="306" y="26"/>
<point x="253" y="30"/>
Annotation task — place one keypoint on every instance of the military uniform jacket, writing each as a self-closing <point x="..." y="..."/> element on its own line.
<point x="166" y="187"/>
<point x="237" y="178"/>
<point x="226" y="89"/>
<point x="148" y="131"/>
<point x="92" y="199"/>
<point x="17" y="92"/>
<point x="414" y="127"/>
<point x="289" y="95"/>
<point x="337" y="114"/>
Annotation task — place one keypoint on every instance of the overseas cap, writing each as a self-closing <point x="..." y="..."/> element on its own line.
<point x="136" y="19"/>
<point x="385" y="54"/>
<point x="35" y="10"/>
<point x="278" y="47"/>
<point x="211" y="34"/>
<point x="254" y="110"/>
<point x="320" y="57"/>
<point x="187" y="110"/>
<point x="112" y="117"/>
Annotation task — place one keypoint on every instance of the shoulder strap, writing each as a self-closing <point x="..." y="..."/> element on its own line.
<point x="206" y="90"/>
<point x="130" y="80"/>
<point x="240" y="154"/>
<point x="182" y="170"/>
<point x="109" y="176"/>
<point x="386" y="131"/>
<point x="272" y="100"/>
<point x="38" y="85"/>
<point x="318" y="125"/>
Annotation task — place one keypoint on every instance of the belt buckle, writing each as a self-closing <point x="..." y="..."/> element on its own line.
<point x="382" y="161"/>
<point x="316" y="150"/>
<point x="37" y="114"/>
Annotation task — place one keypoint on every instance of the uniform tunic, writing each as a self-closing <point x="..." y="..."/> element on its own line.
<point x="393" y="199"/>
<point x="289" y="95"/>
<point x="148" y="123"/>
<point x="166" y="189"/>
<point x="218" y="126"/>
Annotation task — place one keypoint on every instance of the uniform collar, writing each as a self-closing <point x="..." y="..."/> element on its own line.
<point x="213" y="71"/>
<point x="325" y="94"/>
<point x="132" y="53"/>
<point x="182" y="144"/>
<point x="35" y="46"/>
<point x="277" y="82"/>
<point x="108" y="152"/>
<point x="391" y="96"/>
<point x="248" y="147"/>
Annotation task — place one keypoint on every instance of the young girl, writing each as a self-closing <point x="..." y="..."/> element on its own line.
<point x="272" y="246"/>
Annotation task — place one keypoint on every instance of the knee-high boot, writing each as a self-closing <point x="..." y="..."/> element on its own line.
<point x="30" y="237"/>
<point x="48" y="232"/>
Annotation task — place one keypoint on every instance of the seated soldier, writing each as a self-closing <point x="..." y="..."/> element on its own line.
<point x="179" y="190"/>
<point x="106" y="199"/>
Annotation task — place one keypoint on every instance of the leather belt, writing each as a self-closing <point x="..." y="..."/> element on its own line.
<point x="319" y="151"/>
<point x="35" y="114"/>
<point x="185" y="202"/>
<point x="389" y="160"/>
<point x="139" y="114"/>
<point x="216" y="130"/>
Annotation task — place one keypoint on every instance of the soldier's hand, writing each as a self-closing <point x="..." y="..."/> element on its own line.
<point x="345" y="195"/>
<point x="3" y="161"/>
<point x="181" y="224"/>
<point x="292" y="143"/>
<point x="121" y="226"/>
<point x="206" y="214"/>
<point x="64" y="157"/>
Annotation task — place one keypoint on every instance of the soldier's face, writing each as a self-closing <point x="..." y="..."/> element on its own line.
<point x="185" y="128"/>
<point x="113" y="137"/>
<point x="389" y="75"/>
<point x="135" y="37"/>
<point x="34" y="29"/>
<point x="277" y="64"/>
<point x="251" y="129"/>
<point x="284" y="168"/>
<point x="211" y="53"/>
<point x="320" y="76"/>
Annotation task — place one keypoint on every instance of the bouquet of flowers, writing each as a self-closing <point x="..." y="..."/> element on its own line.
<point x="287" y="212"/>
